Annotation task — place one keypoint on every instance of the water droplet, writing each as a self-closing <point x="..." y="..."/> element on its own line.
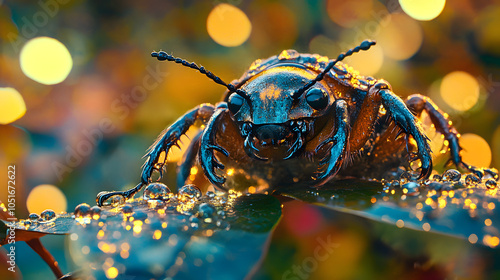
<point x="471" y="180"/>
<point x="157" y="191"/>
<point x="206" y="210"/>
<point x="221" y="214"/>
<point x="411" y="188"/>
<point x="190" y="192"/>
<point x="82" y="210"/>
<point x="140" y="216"/>
<point x="452" y="175"/>
<point x="34" y="217"/>
<point x="156" y="204"/>
<point x="194" y="225"/>
<point x="493" y="173"/>
<point x="194" y="222"/>
<point x="210" y="194"/>
<point x="407" y="176"/>
<point x="114" y="200"/>
<point x="437" y="177"/>
<point x="48" y="214"/>
<point x="223" y="225"/>
<point x="490" y="184"/>
<point x="96" y="212"/>
<point x="127" y="209"/>
<point x="435" y="186"/>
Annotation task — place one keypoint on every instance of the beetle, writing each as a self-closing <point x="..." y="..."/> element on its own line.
<point x="302" y="118"/>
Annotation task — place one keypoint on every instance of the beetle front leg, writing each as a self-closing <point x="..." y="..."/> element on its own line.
<point x="207" y="158"/>
<point x="409" y="124"/>
<point x="339" y="143"/>
<point x="168" y="138"/>
<point x="188" y="160"/>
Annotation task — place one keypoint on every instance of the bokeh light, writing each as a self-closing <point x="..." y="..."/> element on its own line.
<point x="46" y="197"/>
<point x="45" y="60"/>
<point x="367" y="63"/>
<point x="348" y="13"/>
<point x="496" y="146"/>
<point x="460" y="90"/>
<point x="228" y="25"/>
<point x="12" y="105"/>
<point x="486" y="30"/>
<point x="476" y="150"/>
<point x="274" y="27"/>
<point x="401" y="37"/>
<point x="423" y="9"/>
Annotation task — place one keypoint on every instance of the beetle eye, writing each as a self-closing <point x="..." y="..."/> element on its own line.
<point x="235" y="102"/>
<point x="317" y="98"/>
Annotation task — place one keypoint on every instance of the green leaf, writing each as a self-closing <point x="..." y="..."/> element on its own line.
<point x="220" y="237"/>
<point x="61" y="224"/>
<point x="442" y="207"/>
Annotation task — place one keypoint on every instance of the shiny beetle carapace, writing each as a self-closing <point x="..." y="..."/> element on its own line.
<point x="301" y="118"/>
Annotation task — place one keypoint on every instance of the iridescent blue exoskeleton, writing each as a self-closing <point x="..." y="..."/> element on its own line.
<point x="301" y="118"/>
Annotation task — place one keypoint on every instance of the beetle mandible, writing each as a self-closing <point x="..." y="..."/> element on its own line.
<point x="302" y="118"/>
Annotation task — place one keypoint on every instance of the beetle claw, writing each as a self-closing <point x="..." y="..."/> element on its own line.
<point x="250" y="149"/>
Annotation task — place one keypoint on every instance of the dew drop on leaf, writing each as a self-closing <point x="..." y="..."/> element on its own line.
<point x="114" y="200"/>
<point x="190" y="192"/>
<point x="48" y="214"/>
<point x="127" y="209"/>
<point x="34" y="217"/>
<point x="490" y="184"/>
<point x="411" y="188"/>
<point x="437" y="177"/>
<point x="206" y="210"/>
<point x="82" y="211"/>
<point x="156" y="191"/>
<point x="96" y="212"/>
<point x="407" y="176"/>
<point x="452" y="175"/>
<point x="471" y="180"/>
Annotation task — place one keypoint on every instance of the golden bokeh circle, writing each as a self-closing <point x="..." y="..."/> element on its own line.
<point x="460" y="90"/>
<point x="400" y="36"/>
<point x="424" y="10"/>
<point x="476" y="150"/>
<point x="228" y="26"/>
<point x="12" y="106"/>
<point x="45" y="60"/>
<point x="44" y="197"/>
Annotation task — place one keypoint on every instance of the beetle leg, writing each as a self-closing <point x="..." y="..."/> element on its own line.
<point x="365" y="121"/>
<point x="168" y="138"/>
<point x="409" y="123"/>
<point x="418" y="103"/>
<point x="339" y="143"/>
<point x="188" y="161"/>
<point x="207" y="158"/>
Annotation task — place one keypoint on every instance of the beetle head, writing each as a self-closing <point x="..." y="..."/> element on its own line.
<point x="275" y="125"/>
<point x="276" y="108"/>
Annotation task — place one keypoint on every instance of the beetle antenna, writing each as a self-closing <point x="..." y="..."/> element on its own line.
<point x="365" y="45"/>
<point x="161" y="56"/>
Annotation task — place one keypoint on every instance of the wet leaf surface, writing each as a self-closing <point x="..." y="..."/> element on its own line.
<point x="445" y="207"/>
<point x="27" y="230"/>
<point x="185" y="237"/>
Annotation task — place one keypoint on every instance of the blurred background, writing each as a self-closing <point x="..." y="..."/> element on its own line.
<point x="81" y="100"/>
